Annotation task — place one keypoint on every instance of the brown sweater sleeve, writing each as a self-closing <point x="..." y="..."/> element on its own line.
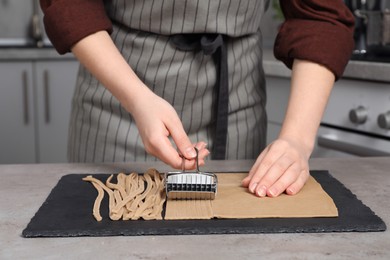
<point x="316" y="30"/>
<point x="68" y="21"/>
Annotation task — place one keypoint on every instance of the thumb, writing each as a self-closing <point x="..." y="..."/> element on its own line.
<point x="182" y="141"/>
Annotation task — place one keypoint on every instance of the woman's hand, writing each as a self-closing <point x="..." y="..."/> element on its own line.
<point x="157" y="120"/>
<point x="281" y="167"/>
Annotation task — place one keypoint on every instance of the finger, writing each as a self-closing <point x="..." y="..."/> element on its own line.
<point x="202" y="156"/>
<point x="161" y="147"/>
<point x="200" y="145"/>
<point x="191" y="164"/>
<point x="202" y="150"/>
<point x="245" y="182"/>
<point x="273" y="174"/>
<point x="181" y="139"/>
<point x="299" y="183"/>
<point x="288" y="177"/>
<point x="265" y="165"/>
<point x="163" y="150"/>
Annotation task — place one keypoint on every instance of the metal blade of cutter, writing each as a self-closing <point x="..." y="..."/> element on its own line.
<point x="191" y="185"/>
<point x="197" y="185"/>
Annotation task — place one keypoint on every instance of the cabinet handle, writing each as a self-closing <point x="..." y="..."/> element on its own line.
<point x="46" y="93"/>
<point x="26" y="116"/>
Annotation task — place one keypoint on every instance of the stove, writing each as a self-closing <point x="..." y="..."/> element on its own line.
<point x="357" y="119"/>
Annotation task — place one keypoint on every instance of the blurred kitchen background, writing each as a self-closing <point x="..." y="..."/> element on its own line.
<point x="36" y="87"/>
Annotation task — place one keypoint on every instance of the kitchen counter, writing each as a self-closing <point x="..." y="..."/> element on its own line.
<point x="20" y="54"/>
<point x="376" y="71"/>
<point x="23" y="189"/>
<point x="364" y="70"/>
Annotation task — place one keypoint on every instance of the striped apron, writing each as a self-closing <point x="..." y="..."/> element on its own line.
<point x="151" y="35"/>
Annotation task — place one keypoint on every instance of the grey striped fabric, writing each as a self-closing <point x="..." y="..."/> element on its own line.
<point x="167" y="17"/>
<point x="102" y="131"/>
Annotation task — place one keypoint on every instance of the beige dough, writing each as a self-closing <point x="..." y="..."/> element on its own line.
<point x="234" y="201"/>
<point x="188" y="209"/>
<point x="128" y="198"/>
<point x="98" y="202"/>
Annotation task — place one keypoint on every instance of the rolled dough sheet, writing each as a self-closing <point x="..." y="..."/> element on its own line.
<point x="188" y="209"/>
<point x="234" y="201"/>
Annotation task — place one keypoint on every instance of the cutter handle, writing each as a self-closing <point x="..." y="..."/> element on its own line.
<point x="196" y="159"/>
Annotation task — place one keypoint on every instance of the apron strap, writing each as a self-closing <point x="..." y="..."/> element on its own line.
<point x="212" y="44"/>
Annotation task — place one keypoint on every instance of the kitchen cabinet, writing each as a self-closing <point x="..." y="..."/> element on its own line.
<point x="35" y="104"/>
<point x="17" y="138"/>
<point x="278" y="91"/>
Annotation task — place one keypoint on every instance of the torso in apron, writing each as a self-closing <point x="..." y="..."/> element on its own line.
<point x="101" y="130"/>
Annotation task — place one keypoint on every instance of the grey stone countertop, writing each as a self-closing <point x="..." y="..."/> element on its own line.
<point x="360" y="70"/>
<point x="23" y="189"/>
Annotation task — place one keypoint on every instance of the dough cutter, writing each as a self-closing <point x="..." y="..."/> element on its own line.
<point x="196" y="185"/>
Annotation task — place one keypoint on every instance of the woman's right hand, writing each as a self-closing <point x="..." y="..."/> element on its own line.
<point x="157" y="120"/>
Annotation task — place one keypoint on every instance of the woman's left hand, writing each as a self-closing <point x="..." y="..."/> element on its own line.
<point x="281" y="167"/>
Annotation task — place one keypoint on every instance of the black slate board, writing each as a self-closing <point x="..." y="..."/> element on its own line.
<point x="67" y="212"/>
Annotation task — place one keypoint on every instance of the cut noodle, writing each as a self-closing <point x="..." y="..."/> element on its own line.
<point x="133" y="197"/>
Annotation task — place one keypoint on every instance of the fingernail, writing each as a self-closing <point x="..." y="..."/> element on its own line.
<point x="261" y="192"/>
<point x="273" y="191"/>
<point x="252" y="187"/>
<point x="190" y="151"/>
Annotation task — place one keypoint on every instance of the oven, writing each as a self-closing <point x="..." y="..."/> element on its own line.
<point x="357" y="118"/>
<point x="356" y="121"/>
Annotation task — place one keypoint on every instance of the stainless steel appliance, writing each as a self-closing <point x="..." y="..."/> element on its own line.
<point x="356" y="121"/>
<point x="21" y="24"/>
<point x="372" y="30"/>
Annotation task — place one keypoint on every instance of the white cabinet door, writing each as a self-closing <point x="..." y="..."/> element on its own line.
<point x="55" y="81"/>
<point x="17" y="117"/>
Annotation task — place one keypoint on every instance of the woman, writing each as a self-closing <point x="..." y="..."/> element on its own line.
<point x="162" y="77"/>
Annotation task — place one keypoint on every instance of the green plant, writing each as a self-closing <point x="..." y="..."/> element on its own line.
<point x="278" y="11"/>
